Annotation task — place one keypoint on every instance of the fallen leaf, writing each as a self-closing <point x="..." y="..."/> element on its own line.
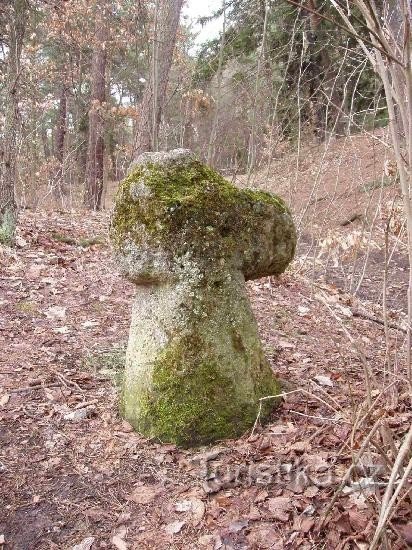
<point x="62" y="330"/>
<point x="311" y="491"/>
<point x="280" y="507"/>
<point x="145" y="494"/>
<point x="265" y="537"/>
<point x="358" y="520"/>
<point x="85" y="544"/>
<point x="237" y="526"/>
<point x="55" y="312"/>
<point x="198" y="510"/>
<point x="183" y="506"/>
<point x="303" y="524"/>
<point x="4" y="399"/>
<point x="174" y="527"/>
<point x="406" y="531"/>
<point x="323" y="380"/>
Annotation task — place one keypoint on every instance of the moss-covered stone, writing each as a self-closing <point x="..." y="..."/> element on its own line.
<point x="195" y="369"/>
<point x="7" y="227"/>
<point x="173" y="207"/>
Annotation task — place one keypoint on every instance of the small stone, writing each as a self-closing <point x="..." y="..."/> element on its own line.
<point x="79" y="414"/>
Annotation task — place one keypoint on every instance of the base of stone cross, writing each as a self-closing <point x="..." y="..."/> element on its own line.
<point x="190" y="379"/>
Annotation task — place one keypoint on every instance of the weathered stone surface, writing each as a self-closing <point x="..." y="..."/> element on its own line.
<point x="188" y="239"/>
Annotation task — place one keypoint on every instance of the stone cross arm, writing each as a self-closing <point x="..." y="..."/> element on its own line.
<point x="173" y="212"/>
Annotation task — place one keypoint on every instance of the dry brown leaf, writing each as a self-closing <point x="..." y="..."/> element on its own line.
<point x="311" y="491"/>
<point x="144" y="494"/>
<point x="4" y="399"/>
<point x="198" y="510"/>
<point x="406" y="532"/>
<point x="119" y="543"/>
<point x="265" y="536"/>
<point x="303" y="524"/>
<point x="357" y="519"/>
<point x="174" y="527"/>
<point x="280" y="508"/>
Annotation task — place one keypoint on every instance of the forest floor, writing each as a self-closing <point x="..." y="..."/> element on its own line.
<point x="73" y="474"/>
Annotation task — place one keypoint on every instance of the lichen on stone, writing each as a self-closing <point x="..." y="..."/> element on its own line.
<point x="188" y="239"/>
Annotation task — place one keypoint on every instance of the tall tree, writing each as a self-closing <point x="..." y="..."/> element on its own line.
<point x="8" y="154"/>
<point x="166" y="22"/>
<point x="95" y="154"/>
<point x="59" y="187"/>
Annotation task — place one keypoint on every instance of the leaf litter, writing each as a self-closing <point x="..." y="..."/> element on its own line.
<point x="88" y="480"/>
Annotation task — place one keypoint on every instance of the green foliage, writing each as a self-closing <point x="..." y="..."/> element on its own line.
<point x="305" y="56"/>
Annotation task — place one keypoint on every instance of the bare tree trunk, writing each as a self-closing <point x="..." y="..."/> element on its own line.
<point x="213" y="131"/>
<point x="165" y="34"/>
<point x="59" y="187"/>
<point x="8" y="155"/>
<point x="95" y="153"/>
<point x="45" y="142"/>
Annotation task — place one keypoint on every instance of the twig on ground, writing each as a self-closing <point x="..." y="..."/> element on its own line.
<point x="368" y="317"/>
<point x="350" y="470"/>
<point x="36" y="387"/>
<point x="390" y="496"/>
<point x="66" y="382"/>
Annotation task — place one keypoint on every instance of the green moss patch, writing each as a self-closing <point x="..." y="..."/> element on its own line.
<point x="189" y="206"/>
<point x="191" y="402"/>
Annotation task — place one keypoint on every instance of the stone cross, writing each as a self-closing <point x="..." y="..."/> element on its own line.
<point x="188" y="239"/>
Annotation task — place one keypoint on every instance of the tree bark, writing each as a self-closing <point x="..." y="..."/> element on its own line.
<point x="8" y="160"/>
<point x="59" y="187"/>
<point x="323" y="83"/>
<point x="95" y="152"/>
<point x="153" y="102"/>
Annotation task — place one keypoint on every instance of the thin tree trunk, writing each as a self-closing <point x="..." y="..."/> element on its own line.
<point x="252" y="152"/>
<point x="95" y="154"/>
<point x="8" y="160"/>
<point x="165" y="34"/>
<point x="213" y="132"/>
<point x="59" y="187"/>
<point x="45" y="142"/>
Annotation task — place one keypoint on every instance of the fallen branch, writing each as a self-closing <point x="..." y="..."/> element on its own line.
<point x="368" y="317"/>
